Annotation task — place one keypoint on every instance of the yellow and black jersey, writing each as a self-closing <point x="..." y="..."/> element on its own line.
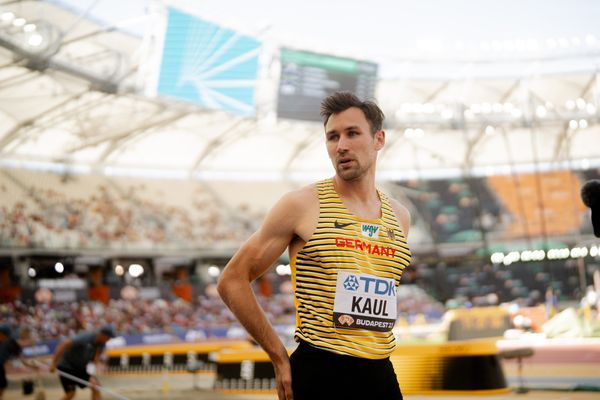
<point x="345" y="279"/>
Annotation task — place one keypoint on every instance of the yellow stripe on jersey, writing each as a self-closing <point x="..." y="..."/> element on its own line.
<point x="338" y="244"/>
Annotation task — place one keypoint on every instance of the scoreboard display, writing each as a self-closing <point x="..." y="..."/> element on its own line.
<point x="307" y="78"/>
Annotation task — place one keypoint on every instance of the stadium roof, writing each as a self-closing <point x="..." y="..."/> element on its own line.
<point x="476" y="95"/>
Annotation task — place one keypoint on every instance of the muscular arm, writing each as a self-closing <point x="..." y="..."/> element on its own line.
<point x="279" y="229"/>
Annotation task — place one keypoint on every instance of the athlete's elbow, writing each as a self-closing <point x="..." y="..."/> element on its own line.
<point x="222" y="286"/>
<point x="226" y="284"/>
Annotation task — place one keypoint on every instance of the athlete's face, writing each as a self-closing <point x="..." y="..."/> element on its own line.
<point x="351" y="146"/>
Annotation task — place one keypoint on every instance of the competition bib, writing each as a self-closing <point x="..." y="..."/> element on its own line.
<point x="364" y="301"/>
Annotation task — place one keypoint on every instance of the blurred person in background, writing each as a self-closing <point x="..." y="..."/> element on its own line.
<point x="11" y="346"/>
<point x="79" y="357"/>
<point x="347" y="242"/>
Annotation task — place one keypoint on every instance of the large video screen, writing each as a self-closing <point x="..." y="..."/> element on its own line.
<point x="208" y="65"/>
<point x="306" y="78"/>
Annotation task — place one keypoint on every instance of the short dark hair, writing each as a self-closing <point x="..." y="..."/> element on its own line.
<point x="341" y="101"/>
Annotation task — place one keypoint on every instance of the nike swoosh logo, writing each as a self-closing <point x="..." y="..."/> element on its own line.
<point x="340" y="225"/>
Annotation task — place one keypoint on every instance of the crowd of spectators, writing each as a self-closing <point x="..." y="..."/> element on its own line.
<point x="142" y="316"/>
<point x="139" y="316"/>
<point x="108" y="213"/>
<point x="107" y="218"/>
<point x="493" y="284"/>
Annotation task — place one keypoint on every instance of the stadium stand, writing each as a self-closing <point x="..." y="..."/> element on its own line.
<point x="45" y="210"/>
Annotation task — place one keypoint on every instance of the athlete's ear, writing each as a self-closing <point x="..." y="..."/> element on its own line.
<point x="379" y="139"/>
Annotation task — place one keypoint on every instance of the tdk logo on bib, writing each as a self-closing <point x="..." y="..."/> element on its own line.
<point x="382" y="287"/>
<point x="351" y="283"/>
<point x="370" y="285"/>
<point x="370" y="230"/>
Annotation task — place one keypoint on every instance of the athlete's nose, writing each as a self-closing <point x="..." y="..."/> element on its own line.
<point x="342" y="144"/>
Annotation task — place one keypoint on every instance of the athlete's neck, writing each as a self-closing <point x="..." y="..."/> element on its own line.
<point x="360" y="191"/>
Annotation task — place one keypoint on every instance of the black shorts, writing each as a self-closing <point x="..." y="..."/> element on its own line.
<point x="70" y="385"/>
<point x="3" y="381"/>
<point x="321" y="374"/>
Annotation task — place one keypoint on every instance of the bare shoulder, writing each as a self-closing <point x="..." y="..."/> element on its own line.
<point x="300" y="199"/>
<point x="295" y="206"/>
<point x="300" y="208"/>
<point x="402" y="214"/>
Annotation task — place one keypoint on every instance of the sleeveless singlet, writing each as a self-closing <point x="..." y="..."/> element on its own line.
<point x="345" y="279"/>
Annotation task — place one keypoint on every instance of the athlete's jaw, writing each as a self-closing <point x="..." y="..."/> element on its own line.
<point x="348" y="168"/>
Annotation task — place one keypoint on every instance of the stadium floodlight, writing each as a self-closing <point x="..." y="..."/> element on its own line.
<point x="497" y="258"/>
<point x="7" y="17"/>
<point x="19" y="22"/>
<point x="35" y="40"/>
<point x="573" y="124"/>
<point x="135" y="270"/>
<point x="59" y="267"/>
<point x="213" y="271"/>
<point x="584" y="164"/>
<point x="579" y="252"/>
<point x="513" y="256"/>
<point x="282" y="269"/>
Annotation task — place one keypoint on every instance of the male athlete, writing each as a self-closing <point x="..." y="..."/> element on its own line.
<point x="78" y="357"/>
<point x="347" y="246"/>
